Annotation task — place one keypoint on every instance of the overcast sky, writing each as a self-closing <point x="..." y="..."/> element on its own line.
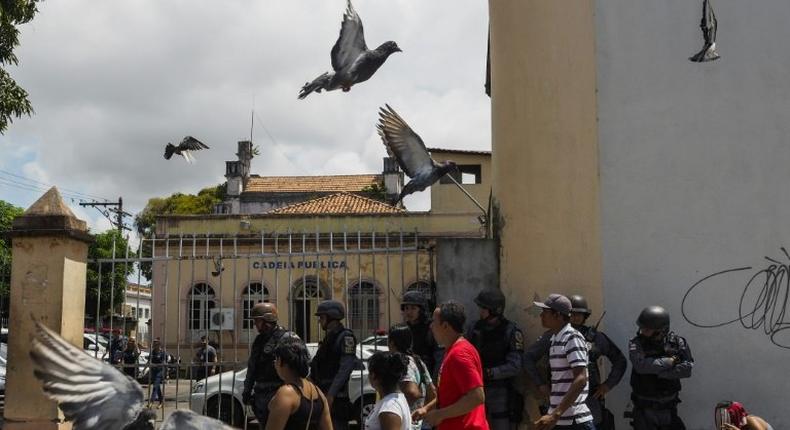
<point x="113" y="82"/>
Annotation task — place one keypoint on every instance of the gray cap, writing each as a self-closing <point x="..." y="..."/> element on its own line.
<point x="556" y="302"/>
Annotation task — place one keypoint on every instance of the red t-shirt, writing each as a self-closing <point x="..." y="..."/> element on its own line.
<point x="461" y="372"/>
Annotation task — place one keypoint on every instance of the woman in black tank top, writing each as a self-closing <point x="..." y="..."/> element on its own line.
<point x="298" y="404"/>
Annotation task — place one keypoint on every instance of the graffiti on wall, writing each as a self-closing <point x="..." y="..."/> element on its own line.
<point x="759" y="299"/>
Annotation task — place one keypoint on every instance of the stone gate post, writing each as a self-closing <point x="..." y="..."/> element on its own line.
<point x="49" y="249"/>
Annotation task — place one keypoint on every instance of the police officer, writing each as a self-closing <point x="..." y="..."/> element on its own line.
<point x="598" y="344"/>
<point x="415" y="310"/>
<point x="334" y="361"/>
<point x="262" y="381"/>
<point x="500" y="344"/>
<point x="659" y="359"/>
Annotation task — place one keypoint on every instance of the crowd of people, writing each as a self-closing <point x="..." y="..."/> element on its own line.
<point x="436" y="374"/>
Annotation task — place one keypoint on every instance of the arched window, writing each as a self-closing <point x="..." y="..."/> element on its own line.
<point x="306" y="293"/>
<point x="364" y="308"/>
<point x="252" y="294"/>
<point x="200" y="301"/>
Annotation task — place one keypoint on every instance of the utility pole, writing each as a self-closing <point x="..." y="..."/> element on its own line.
<point x="114" y="207"/>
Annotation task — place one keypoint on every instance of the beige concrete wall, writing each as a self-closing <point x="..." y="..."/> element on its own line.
<point x="48" y="277"/>
<point x="545" y="152"/>
<point x="390" y="272"/>
<point x="448" y="199"/>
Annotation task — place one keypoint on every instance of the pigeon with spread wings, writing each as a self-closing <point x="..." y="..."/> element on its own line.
<point x="352" y="61"/>
<point x="410" y="151"/>
<point x="94" y="395"/>
<point x="185" y="148"/>
<point x="709" y="25"/>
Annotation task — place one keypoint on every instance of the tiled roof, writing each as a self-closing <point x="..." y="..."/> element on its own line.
<point x="340" y="203"/>
<point x="306" y="184"/>
<point x="458" y="151"/>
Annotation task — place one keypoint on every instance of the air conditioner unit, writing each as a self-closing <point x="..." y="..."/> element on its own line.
<point x="221" y="319"/>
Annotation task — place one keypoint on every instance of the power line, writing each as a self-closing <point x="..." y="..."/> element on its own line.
<point x="70" y="191"/>
<point x="38" y="188"/>
<point x="277" y="144"/>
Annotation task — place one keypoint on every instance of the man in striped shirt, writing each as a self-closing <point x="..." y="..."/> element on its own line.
<point x="568" y="362"/>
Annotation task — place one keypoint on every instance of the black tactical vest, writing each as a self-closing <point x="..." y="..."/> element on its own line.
<point x="326" y="362"/>
<point x="423" y="343"/>
<point x="263" y="356"/>
<point x="650" y="385"/>
<point x="492" y="343"/>
<point x="593" y="373"/>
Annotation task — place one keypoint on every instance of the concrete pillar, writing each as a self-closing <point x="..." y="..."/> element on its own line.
<point x="545" y="152"/>
<point x="48" y="274"/>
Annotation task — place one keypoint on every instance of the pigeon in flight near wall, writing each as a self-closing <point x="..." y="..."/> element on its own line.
<point x="409" y="149"/>
<point x="185" y="148"/>
<point x="709" y="26"/>
<point x="352" y="61"/>
<point x="94" y="395"/>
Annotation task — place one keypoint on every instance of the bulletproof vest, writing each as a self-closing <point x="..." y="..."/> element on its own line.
<point x="326" y="362"/>
<point x="263" y="356"/>
<point x="492" y="342"/>
<point x="593" y="353"/>
<point x="650" y="385"/>
<point x="423" y="343"/>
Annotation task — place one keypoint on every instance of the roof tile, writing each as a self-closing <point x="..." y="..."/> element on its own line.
<point x="305" y="184"/>
<point x="340" y="203"/>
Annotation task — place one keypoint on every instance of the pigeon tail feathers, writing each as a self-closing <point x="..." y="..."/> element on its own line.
<point x="320" y="83"/>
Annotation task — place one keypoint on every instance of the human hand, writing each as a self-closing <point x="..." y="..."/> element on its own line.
<point x="546" y="422"/>
<point x="601" y="391"/>
<point x="434" y="417"/>
<point x="418" y="414"/>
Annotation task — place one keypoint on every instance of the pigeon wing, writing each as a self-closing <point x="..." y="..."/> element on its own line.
<point x="191" y="144"/>
<point x="351" y="42"/>
<point x="92" y="394"/>
<point x="187" y="420"/>
<point x="404" y="143"/>
<point x="709" y="23"/>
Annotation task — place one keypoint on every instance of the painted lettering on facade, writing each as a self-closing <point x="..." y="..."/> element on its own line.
<point x="284" y="265"/>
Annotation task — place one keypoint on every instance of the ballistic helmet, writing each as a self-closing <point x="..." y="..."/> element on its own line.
<point x="415" y="298"/>
<point x="265" y="311"/>
<point x="654" y="318"/>
<point x="491" y="299"/>
<point x="579" y="304"/>
<point x="333" y="309"/>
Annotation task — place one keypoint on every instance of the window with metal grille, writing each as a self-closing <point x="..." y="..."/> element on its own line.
<point x="200" y="303"/>
<point x="364" y="308"/>
<point x="252" y="294"/>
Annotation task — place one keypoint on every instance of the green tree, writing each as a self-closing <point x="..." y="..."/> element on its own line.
<point x="7" y="214"/>
<point x="113" y="275"/>
<point x="13" y="98"/>
<point x="176" y="204"/>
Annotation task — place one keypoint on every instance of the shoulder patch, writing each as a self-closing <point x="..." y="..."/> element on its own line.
<point x="518" y="340"/>
<point x="348" y="345"/>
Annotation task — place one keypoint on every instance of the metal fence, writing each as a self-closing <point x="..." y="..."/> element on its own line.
<point x="206" y="284"/>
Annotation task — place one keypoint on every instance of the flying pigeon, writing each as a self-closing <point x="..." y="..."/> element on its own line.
<point x="218" y="269"/>
<point x="95" y="395"/>
<point x="409" y="149"/>
<point x="184" y="148"/>
<point x="352" y="61"/>
<point x="708" y="26"/>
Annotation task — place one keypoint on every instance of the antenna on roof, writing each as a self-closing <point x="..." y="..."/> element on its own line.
<point x="252" y="116"/>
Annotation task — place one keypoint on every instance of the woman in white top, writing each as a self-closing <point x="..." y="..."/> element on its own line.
<point x="391" y="412"/>
<point x="416" y="384"/>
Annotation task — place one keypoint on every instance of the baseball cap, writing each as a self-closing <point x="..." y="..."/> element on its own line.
<point x="556" y="302"/>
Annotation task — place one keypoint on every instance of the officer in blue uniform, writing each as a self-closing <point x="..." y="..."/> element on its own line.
<point x="262" y="380"/>
<point x="500" y="344"/>
<point x="334" y="361"/>
<point x="659" y="360"/>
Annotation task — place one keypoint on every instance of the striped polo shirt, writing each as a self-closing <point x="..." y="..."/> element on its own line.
<point x="568" y="350"/>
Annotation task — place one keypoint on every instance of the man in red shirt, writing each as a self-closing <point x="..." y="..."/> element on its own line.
<point x="459" y="403"/>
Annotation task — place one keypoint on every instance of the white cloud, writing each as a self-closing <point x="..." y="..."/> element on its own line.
<point x="113" y="82"/>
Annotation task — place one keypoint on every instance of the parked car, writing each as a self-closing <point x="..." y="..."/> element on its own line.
<point x="219" y="396"/>
<point x="95" y="346"/>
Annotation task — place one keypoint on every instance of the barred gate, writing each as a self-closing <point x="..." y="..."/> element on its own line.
<point x="205" y="285"/>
